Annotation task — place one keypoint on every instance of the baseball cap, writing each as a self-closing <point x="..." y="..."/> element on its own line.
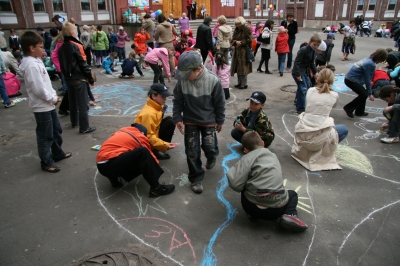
<point x="121" y="28"/>
<point x="141" y="128"/>
<point x="257" y="97"/>
<point x="40" y="28"/>
<point x="188" y="61"/>
<point x="322" y="46"/>
<point x="331" y="35"/>
<point x="160" y="89"/>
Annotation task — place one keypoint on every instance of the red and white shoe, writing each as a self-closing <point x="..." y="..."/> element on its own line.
<point x="293" y="223"/>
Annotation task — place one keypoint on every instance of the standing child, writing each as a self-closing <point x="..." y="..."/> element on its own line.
<point x="122" y="37"/>
<point x="391" y="95"/>
<point x="128" y="66"/>
<point x="86" y="40"/>
<point x="282" y="48"/>
<point x="14" y="41"/>
<point x="100" y="43"/>
<point x="112" y="40"/>
<point x="222" y="69"/>
<point x="140" y="45"/>
<point x="42" y="99"/>
<point x="266" y="47"/>
<point x="109" y="64"/>
<point x="152" y="59"/>
<point x="259" y="28"/>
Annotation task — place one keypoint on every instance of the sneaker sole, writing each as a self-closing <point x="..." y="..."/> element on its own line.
<point x="292" y="226"/>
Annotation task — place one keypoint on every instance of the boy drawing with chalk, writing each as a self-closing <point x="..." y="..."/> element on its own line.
<point x="258" y="177"/>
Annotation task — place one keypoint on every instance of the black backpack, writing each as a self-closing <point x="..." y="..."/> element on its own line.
<point x="264" y="40"/>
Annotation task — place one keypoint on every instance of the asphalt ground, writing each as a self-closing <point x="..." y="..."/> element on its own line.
<point x="66" y="218"/>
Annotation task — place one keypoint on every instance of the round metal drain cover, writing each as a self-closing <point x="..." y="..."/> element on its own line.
<point x="116" y="258"/>
<point x="289" y="88"/>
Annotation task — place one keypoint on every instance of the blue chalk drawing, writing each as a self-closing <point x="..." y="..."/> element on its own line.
<point x="209" y="257"/>
<point x="339" y="85"/>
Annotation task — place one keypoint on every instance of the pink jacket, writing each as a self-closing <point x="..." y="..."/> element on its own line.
<point x="223" y="73"/>
<point x="54" y="56"/>
<point x="215" y="31"/>
<point x="121" y="39"/>
<point x="156" y="54"/>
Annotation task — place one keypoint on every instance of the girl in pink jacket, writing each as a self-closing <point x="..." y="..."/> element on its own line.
<point x="152" y="59"/>
<point x="222" y="69"/>
<point x="122" y="37"/>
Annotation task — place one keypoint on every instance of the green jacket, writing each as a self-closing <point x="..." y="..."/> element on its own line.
<point x="262" y="125"/>
<point x="100" y="43"/>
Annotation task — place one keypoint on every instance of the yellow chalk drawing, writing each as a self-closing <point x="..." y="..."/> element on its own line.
<point x="301" y="205"/>
<point x="354" y="159"/>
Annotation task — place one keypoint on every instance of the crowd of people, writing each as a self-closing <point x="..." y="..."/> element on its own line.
<point x="200" y="96"/>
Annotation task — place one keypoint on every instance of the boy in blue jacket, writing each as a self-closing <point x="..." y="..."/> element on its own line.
<point x="108" y="63"/>
<point x="112" y="40"/>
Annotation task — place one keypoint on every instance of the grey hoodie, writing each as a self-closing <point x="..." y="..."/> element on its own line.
<point x="41" y="94"/>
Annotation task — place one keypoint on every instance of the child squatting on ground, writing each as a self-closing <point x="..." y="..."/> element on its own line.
<point x="128" y="66"/>
<point x="391" y="95"/>
<point x="258" y="177"/>
<point x="109" y="63"/>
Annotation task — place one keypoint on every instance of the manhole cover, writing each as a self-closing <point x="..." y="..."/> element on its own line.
<point x="289" y="88"/>
<point x="116" y="258"/>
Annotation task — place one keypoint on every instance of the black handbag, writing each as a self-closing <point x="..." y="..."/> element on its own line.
<point x="249" y="54"/>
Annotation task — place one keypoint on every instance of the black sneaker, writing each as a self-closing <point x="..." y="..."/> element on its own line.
<point x="161" y="191"/>
<point x="161" y="155"/>
<point x="89" y="130"/>
<point x="210" y="164"/>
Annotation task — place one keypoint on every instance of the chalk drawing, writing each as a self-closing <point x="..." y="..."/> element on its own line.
<point x="371" y="134"/>
<point x="339" y="85"/>
<point x="305" y="207"/>
<point x="184" y="180"/>
<point x="357" y="225"/>
<point x="232" y="96"/>
<point x="139" y="203"/>
<point x="209" y="257"/>
<point x="389" y="156"/>
<point x="353" y="159"/>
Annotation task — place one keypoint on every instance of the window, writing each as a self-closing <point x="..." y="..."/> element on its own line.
<point x="5" y="5"/>
<point x="38" y="5"/>
<point x="245" y="4"/>
<point x="101" y="4"/>
<point x="274" y="4"/>
<point x="392" y="5"/>
<point x="85" y="5"/>
<point x="58" y="5"/>
<point x="360" y="5"/>
<point x="264" y="5"/>
<point x="372" y="4"/>
<point x="291" y="0"/>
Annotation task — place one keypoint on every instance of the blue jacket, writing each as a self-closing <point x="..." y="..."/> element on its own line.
<point x="362" y="72"/>
<point x="107" y="63"/>
<point x="395" y="74"/>
<point x="128" y="65"/>
<point x="112" y="39"/>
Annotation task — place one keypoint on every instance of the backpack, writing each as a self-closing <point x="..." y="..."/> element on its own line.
<point x="264" y="37"/>
<point x="12" y="84"/>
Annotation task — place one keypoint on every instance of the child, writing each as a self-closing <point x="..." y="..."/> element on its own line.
<point x="254" y="119"/>
<point x="302" y="64"/>
<point x="59" y="40"/>
<point x="112" y="40"/>
<point x="259" y="28"/>
<point x="122" y="37"/>
<point x="100" y="45"/>
<point x="266" y="47"/>
<point x="222" y="69"/>
<point x="86" y="40"/>
<point x="391" y="95"/>
<point x="152" y="59"/>
<point x="3" y="92"/>
<point x="53" y="33"/>
<point x="180" y="47"/>
<point x="140" y="45"/>
<point x="128" y="66"/>
<point x="325" y="57"/>
<point x="42" y="99"/>
<point x="380" y="79"/>
<point x="258" y="177"/>
<point x="51" y="69"/>
<point x="14" y="41"/>
<point x="203" y="11"/>
<point x="109" y="64"/>
<point x="395" y="74"/>
<point x="171" y="19"/>
<point x="282" y="48"/>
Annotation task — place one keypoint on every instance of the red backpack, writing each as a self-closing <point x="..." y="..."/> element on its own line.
<point x="12" y="83"/>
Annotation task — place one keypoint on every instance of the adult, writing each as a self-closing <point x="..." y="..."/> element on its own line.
<point x="204" y="38"/>
<point x="266" y="47"/>
<point x="224" y="36"/>
<point x="183" y="23"/>
<point x="11" y="62"/>
<point x="349" y="40"/>
<point x="316" y="136"/>
<point x="194" y="9"/>
<point x="189" y="8"/>
<point x="242" y="37"/>
<point x="291" y="25"/>
<point x="362" y="73"/>
<point x="357" y="21"/>
<point x="46" y="37"/>
<point x="149" y="26"/>
<point x="3" y="42"/>
<point x="72" y="21"/>
<point x="165" y="36"/>
<point x="395" y="32"/>
<point x="127" y="154"/>
<point x="77" y="74"/>
<point x="58" y="20"/>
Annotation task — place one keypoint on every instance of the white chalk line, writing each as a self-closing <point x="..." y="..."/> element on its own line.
<point x="126" y="230"/>
<point x="362" y="221"/>
<point x="233" y="99"/>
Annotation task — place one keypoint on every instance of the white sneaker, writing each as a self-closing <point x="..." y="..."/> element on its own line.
<point x="12" y="104"/>
<point x="390" y="140"/>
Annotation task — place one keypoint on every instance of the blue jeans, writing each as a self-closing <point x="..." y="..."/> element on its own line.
<point x="209" y="144"/>
<point x="394" y="124"/>
<point x="342" y="131"/>
<point x="3" y="92"/>
<point x="49" y="137"/>
<point x="281" y="62"/>
<point x="290" y="54"/>
<point x="64" y="84"/>
<point x="121" y="53"/>
<point x="302" y="88"/>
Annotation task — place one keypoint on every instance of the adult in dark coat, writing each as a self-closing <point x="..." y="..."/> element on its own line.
<point x="204" y="38"/>
<point x="194" y="9"/>
<point x="291" y="25"/>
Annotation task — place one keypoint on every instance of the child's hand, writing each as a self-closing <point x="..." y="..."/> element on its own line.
<point x="240" y="127"/>
<point x="371" y="98"/>
<point x="388" y="109"/>
<point x="172" y="145"/>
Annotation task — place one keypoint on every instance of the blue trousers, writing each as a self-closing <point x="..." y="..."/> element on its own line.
<point x="302" y="88"/>
<point x="342" y="131"/>
<point x="290" y="54"/>
<point x="281" y="62"/>
<point x="3" y="92"/>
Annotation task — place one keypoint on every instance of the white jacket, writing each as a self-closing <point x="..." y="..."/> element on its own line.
<point x="41" y="94"/>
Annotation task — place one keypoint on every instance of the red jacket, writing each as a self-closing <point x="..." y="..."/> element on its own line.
<point x="140" y="42"/>
<point x="189" y="3"/>
<point x="281" y="43"/>
<point x="379" y="74"/>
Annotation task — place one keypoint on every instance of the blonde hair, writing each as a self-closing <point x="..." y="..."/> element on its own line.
<point x="240" y="20"/>
<point x="110" y="28"/>
<point x="60" y="37"/>
<point x="72" y="20"/>
<point x="68" y="28"/>
<point x="325" y="80"/>
<point x="316" y="38"/>
<point x="222" y="19"/>
<point x="132" y="55"/>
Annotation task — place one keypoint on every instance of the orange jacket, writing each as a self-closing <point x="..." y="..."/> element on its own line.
<point x="140" y="42"/>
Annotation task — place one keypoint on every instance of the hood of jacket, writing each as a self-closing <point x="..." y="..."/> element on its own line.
<point x="29" y="60"/>
<point x="226" y="29"/>
<point x="166" y="24"/>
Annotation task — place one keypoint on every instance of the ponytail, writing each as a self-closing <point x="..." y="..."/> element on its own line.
<point x="325" y="80"/>
<point x="220" y="60"/>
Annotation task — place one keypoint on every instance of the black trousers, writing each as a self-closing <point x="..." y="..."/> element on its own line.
<point x="392" y="60"/>
<point x="189" y="13"/>
<point x="167" y="128"/>
<point x="358" y="104"/>
<point x="270" y="213"/>
<point x="158" y="76"/>
<point x="88" y="56"/>
<point x="204" y="54"/>
<point x="130" y="165"/>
